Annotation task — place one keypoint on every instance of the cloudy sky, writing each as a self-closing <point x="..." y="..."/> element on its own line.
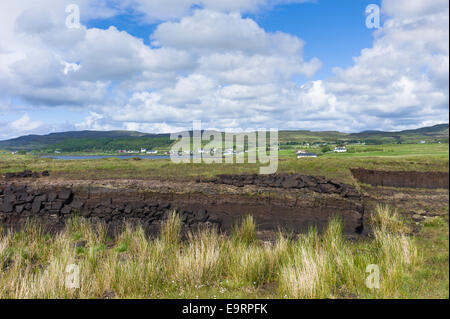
<point x="157" y="65"/>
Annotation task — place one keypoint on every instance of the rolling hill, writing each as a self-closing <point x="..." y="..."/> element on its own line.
<point x="66" y="140"/>
<point x="434" y="133"/>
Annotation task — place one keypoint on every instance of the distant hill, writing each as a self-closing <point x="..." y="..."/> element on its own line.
<point x="429" y="130"/>
<point x="114" y="140"/>
<point x="63" y="139"/>
<point x="428" y="134"/>
<point x="431" y="133"/>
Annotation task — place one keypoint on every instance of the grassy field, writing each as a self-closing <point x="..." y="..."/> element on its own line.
<point x="420" y="157"/>
<point x="209" y="265"/>
<point x="433" y="242"/>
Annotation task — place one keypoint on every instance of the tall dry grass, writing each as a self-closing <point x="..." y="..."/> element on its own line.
<point x="312" y="265"/>
<point x="328" y="267"/>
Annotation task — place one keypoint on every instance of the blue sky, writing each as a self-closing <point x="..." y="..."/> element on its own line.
<point x="156" y="66"/>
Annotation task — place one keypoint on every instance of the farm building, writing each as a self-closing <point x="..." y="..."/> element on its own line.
<point x="302" y="155"/>
<point x="340" y="149"/>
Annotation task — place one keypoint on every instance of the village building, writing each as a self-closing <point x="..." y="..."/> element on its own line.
<point x="306" y="155"/>
<point x="340" y="149"/>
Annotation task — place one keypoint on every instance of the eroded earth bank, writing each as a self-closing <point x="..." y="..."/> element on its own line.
<point x="292" y="203"/>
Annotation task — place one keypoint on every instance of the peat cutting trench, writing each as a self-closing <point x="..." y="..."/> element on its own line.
<point x="409" y="179"/>
<point x="288" y="202"/>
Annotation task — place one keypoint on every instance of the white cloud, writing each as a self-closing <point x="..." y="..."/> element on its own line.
<point x="160" y="10"/>
<point x="25" y="124"/>
<point x="404" y="76"/>
<point x="413" y="8"/>
<point x="94" y="121"/>
<point x="20" y="126"/>
<point x="213" y="31"/>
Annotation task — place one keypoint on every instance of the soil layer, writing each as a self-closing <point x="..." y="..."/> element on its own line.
<point x="293" y="204"/>
<point x="402" y="179"/>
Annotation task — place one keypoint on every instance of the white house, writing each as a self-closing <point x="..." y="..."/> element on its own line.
<point x="303" y="155"/>
<point x="152" y="152"/>
<point x="340" y="149"/>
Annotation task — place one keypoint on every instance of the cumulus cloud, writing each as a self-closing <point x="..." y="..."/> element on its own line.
<point x="213" y="31"/>
<point x="404" y="76"/>
<point x="413" y="9"/>
<point x="25" y="123"/>
<point x="21" y="125"/>
<point x="161" y="10"/>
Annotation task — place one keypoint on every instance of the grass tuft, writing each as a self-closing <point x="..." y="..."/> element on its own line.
<point x="388" y="220"/>
<point x="171" y="229"/>
<point x="245" y="232"/>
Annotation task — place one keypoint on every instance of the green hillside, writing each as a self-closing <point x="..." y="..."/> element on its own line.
<point x="429" y="134"/>
<point x="86" y="141"/>
<point x="437" y="133"/>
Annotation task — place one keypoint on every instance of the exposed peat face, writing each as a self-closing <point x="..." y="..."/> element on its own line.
<point x="292" y="203"/>
<point x="410" y="179"/>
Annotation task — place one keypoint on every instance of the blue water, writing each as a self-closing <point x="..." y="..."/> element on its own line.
<point x="85" y="157"/>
